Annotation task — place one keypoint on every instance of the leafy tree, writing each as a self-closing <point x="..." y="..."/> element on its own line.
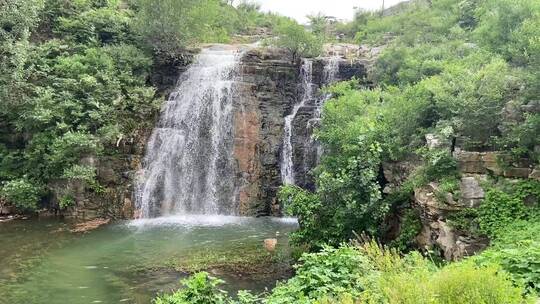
<point x="172" y="25"/>
<point x="321" y="25"/>
<point x="295" y="38"/>
<point x="348" y="194"/>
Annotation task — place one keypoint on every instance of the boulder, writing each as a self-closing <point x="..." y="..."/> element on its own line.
<point x="472" y="193"/>
<point x="517" y="172"/>
<point x="470" y="162"/>
<point x="270" y="244"/>
<point x="435" y="141"/>
<point x="436" y="232"/>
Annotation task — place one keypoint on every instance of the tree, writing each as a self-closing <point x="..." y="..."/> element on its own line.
<point x="295" y="38"/>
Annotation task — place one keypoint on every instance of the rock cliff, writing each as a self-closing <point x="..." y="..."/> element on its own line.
<point x="436" y="206"/>
<point x="268" y="89"/>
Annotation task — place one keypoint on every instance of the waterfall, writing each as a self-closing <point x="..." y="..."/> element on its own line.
<point x="311" y="98"/>
<point x="287" y="163"/>
<point x="331" y="70"/>
<point x="189" y="166"/>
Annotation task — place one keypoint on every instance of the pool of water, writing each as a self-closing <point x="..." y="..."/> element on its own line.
<point x="126" y="262"/>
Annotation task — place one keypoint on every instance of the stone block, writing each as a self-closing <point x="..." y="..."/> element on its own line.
<point x="535" y="174"/>
<point x="517" y="172"/>
<point x="472" y="193"/>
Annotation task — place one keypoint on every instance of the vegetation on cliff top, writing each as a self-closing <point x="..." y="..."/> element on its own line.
<point x="450" y="69"/>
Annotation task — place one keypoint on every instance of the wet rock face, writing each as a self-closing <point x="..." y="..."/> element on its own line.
<point x="267" y="92"/>
<point x="270" y="88"/>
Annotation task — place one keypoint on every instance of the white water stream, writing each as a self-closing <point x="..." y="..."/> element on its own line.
<point x="188" y="167"/>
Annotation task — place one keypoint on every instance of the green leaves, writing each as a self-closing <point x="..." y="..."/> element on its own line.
<point x="198" y="289"/>
<point x="517" y="250"/>
<point x="330" y="272"/>
<point x="21" y="193"/>
<point x="295" y="38"/>
<point x="75" y="95"/>
<point x="347" y="198"/>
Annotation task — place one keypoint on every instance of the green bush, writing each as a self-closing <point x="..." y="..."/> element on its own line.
<point x="517" y="250"/>
<point x="330" y="272"/>
<point x="409" y="229"/>
<point x="347" y="198"/>
<point x="198" y="289"/>
<point x="486" y="285"/>
<point x="503" y="206"/>
<point x="295" y="38"/>
<point x="368" y="273"/>
<point x="21" y="193"/>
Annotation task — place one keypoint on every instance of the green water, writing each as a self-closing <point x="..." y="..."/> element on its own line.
<point x="129" y="262"/>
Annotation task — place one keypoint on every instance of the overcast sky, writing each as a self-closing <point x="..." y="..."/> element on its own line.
<point x="342" y="9"/>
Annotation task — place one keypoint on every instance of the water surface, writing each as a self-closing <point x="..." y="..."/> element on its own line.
<point x="128" y="262"/>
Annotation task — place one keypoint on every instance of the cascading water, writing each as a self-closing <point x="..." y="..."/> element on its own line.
<point x="331" y="70"/>
<point x="311" y="98"/>
<point x="287" y="162"/>
<point x="189" y="166"/>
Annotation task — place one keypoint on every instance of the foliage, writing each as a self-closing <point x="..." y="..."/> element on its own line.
<point x="448" y="185"/>
<point x="66" y="201"/>
<point x="17" y="20"/>
<point x="504" y="204"/>
<point x="440" y="164"/>
<point x="517" y="250"/>
<point x="81" y="86"/>
<point x="478" y="285"/>
<point x="347" y="198"/>
<point x="21" y="193"/>
<point x="499" y="19"/>
<point x="502" y="207"/>
<point x="435" y="75"/>
<point x="409" y="229"/>
<point x="330" y="272"/>
<point x="295" y="38"/>
<point x="172" y="25"/>
<point x="199" y="289"/>
<point x="369" y="273"/>
<point x="465" y="220"/>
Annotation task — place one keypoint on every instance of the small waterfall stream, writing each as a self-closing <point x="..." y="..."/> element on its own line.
<point x="311" y="97"/>
<point x="188" y="167"/>
<point x="287" y="163"/>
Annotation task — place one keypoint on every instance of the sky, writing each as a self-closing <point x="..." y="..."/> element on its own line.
<point x="342" y="9"/>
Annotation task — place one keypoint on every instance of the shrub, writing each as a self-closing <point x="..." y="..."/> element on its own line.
<point x="66" y="201"/>
<point x="347" y="198"/>
<point x="198" y="289"/>
<point x="328" y="273"/>
<point x="503" y="206"/>
<point x="484" y="285"/>
<point x="295" y="38"/>
<point x="409" y="229"/>
<point x="21" y="193"/>
<point x="517" y="250"/>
